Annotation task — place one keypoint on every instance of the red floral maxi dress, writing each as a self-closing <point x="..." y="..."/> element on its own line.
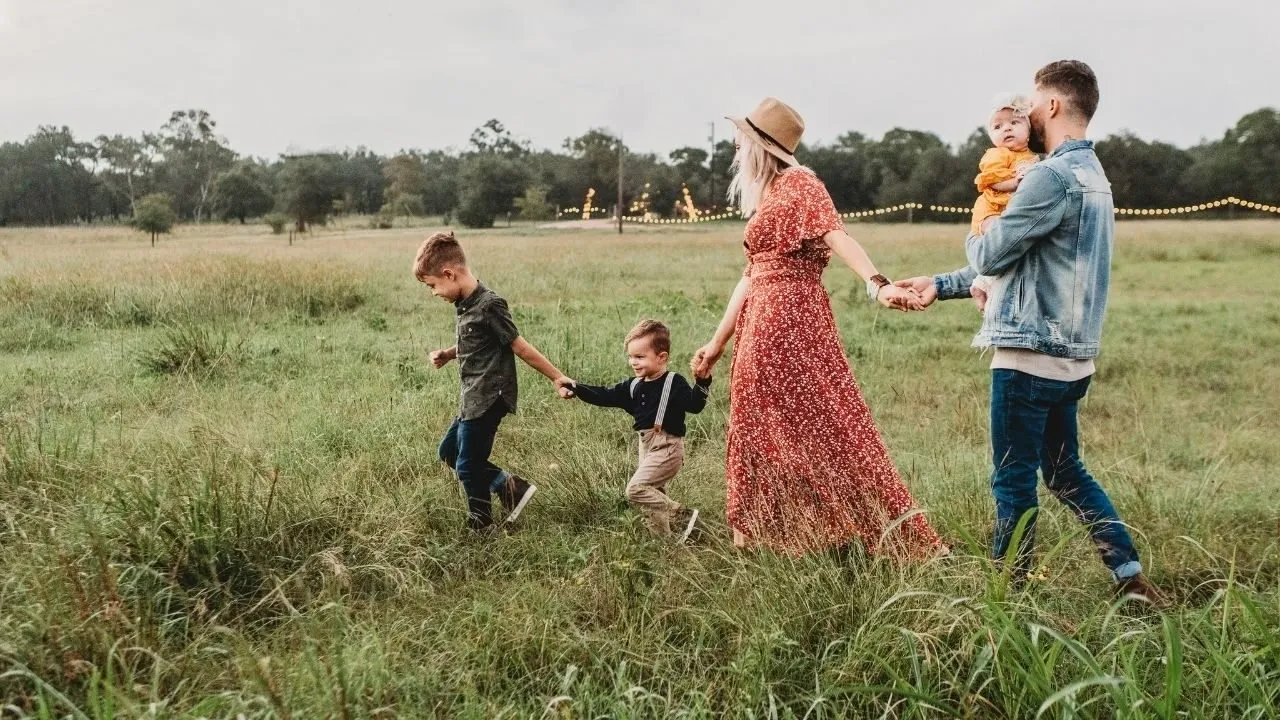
<point x="806" y="467"/>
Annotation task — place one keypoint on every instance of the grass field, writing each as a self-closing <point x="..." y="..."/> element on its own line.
<point x="219" y="495"/>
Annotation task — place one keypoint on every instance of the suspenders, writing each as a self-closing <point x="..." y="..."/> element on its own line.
<point x="662" y="404"/>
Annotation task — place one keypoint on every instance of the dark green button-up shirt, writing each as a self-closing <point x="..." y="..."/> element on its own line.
<point x="486" y="362"/>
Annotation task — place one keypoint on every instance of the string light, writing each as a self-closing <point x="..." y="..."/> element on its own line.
<point x="955" y="210"/>
<point x="1180" y="210"/>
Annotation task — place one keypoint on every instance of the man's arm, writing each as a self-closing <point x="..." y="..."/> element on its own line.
<point x="955" y="284"/>
<point x="1034" y="211"/>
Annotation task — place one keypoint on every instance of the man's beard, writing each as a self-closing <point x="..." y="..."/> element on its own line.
<point x="1035" y="139"/>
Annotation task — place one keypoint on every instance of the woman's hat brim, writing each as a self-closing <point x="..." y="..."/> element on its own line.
<point x="769" y="146"/>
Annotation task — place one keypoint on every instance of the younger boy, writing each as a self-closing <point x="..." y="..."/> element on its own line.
<point x="487" y="345"/>
<point x="658" y="400"/>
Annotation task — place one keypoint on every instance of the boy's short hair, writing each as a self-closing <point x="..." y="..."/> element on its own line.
<point x="658" y="334"/>
<point x="438" y="252"/>
<point x="1075" y="80"/>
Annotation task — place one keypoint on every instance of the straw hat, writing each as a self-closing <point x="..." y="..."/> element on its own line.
<point x="776" y="126"/>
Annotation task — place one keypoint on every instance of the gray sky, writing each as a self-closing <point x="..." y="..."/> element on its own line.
<point x="392" y="74"/>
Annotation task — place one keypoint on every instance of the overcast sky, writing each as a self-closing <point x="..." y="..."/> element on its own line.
<point x="391" y="74"/>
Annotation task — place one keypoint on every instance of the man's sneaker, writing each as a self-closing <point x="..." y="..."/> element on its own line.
<point x="688" y="518"/>
<point x="515" y="495"/>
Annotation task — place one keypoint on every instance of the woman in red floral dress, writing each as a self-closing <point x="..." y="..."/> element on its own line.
<point x="807" y="469"/>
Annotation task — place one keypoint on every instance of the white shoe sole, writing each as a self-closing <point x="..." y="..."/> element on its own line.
<point x="519" y="508"/>
<point x="688" y="529"/>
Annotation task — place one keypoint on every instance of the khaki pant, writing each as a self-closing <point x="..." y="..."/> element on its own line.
<point x="661" y="457"/>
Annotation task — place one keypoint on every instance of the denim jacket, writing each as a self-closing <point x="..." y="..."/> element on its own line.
<point x="1051" y="251"/>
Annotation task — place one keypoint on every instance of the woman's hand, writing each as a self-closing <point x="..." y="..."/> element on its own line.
<point x="899" y="298"/>
<point x="705" y="359"/>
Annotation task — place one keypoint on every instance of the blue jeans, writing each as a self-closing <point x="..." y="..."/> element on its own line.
<point x="1033" y="427"/>
<point x="466" y="448"/>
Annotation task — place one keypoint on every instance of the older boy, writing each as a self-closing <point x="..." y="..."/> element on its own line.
<point x="487" y="344"/>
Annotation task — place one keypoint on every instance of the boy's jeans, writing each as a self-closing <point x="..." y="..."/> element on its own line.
<point x="466" y="448"/>
<point x="1033" y="426"/>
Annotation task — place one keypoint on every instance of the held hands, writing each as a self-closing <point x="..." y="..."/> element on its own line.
<point x="901" y="298"/>
<point x="922" y="287"/>
<point x="565" y="386"/>
<point x="440" y="358"/>
<point x="705" y="359"/>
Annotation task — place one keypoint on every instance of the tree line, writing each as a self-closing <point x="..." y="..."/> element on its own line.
<point x="186" y="171"/>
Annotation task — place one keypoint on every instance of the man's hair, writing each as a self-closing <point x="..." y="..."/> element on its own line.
<point x="438" y="252"/>
<point x="658" y="334"/>
<point x="1076" y="81"/>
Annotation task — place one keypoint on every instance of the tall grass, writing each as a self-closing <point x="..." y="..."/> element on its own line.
<point x="233" y="508"/>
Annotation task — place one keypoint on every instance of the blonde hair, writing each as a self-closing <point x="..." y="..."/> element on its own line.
<point x="1016" y="103"/>
<point x="437" y="252"/>
<point x="753" y="169"/>
<point x="658" y="334"/>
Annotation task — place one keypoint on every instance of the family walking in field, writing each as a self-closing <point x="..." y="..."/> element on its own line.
<point x="806" y="467"/>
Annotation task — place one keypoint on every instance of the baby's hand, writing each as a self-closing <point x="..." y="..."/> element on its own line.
<point x="979" y="297"/>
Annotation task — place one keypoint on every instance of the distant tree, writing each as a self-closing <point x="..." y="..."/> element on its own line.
<point x="596" y="156"/>
<point x="308" y="186"/>
<point x="1243" y="163"/>
<point x="363" y="183"/>
<point x="129" y="164"/>
<point x="1144" y="174"/>
<point x="494" y="138"/>
<point x="929" y="178"/>
<point x="691" y="163"/>
<point x="849" y="168"/>
<point x="664" y="185"/>
<point x="440" y="193"/>
<point x="534" y="205"/>
<point x="558" y="173"/>
<point x="51" y="177"/>
<point x="900" y="149"/>
<point x="489" y="185"/>
<point x="242" y="192"/>
<point x="721" y="164"/>
<point x="406" y="184"/>
<point x="154" y="214"/>
<point x="276" y="221"/>
<point x="194" y="155"/>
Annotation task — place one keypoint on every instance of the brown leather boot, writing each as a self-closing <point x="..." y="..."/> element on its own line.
<point x="1141" y="587"/>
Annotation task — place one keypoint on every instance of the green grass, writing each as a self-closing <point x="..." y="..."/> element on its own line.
<point x="219" y="493"/>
